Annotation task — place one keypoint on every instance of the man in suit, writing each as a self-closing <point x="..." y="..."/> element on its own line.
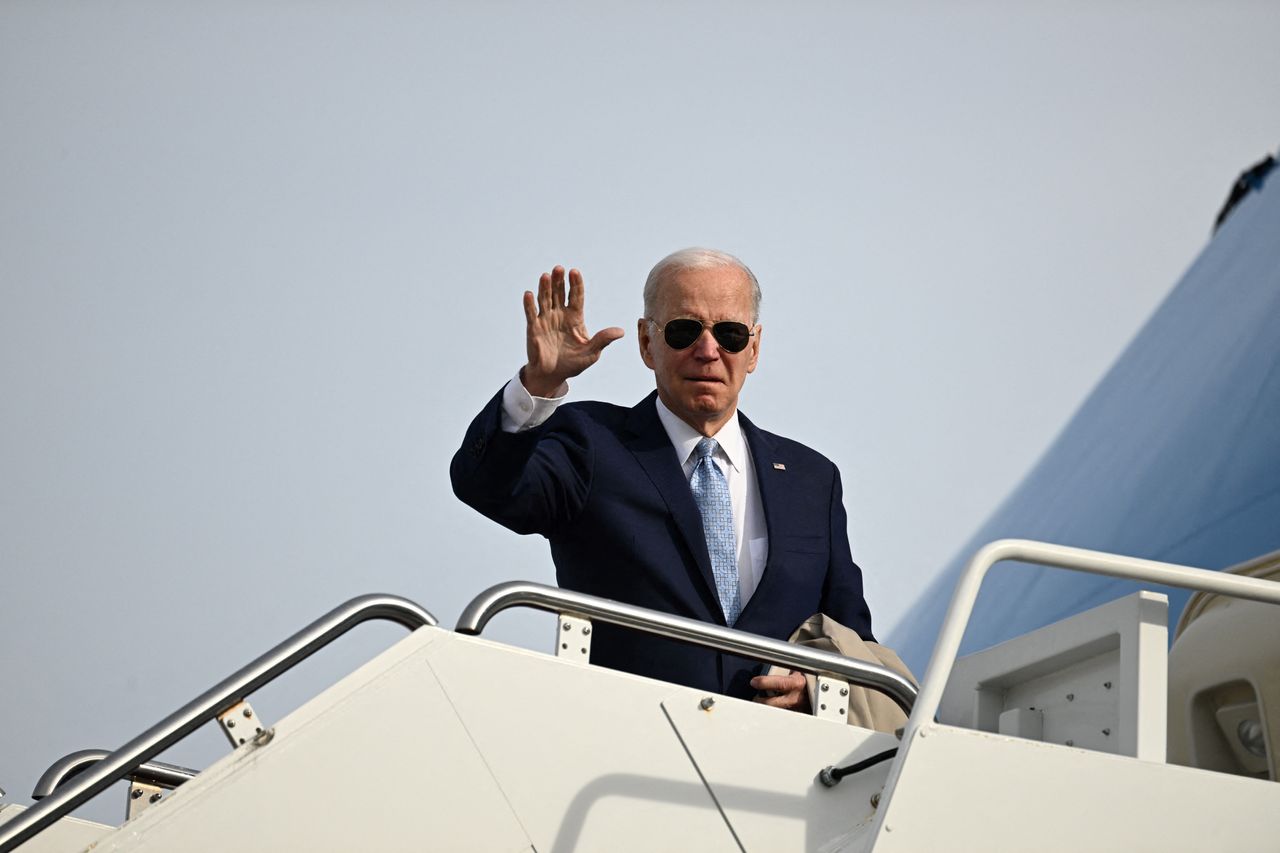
<point x="680" y="503"/>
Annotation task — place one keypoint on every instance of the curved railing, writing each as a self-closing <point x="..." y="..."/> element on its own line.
<point x="527" y="594"/>
<point x="1059" y="556"/>
<point x="152" y="772"/>
<point x="208" y="705"/>
<point x="1026" y="551"/>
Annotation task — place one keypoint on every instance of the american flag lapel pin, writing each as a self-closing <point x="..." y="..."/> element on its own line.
<point x="778" y="466"/>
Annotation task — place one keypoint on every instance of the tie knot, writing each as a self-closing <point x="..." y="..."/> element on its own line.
<point x="706" y="447"/>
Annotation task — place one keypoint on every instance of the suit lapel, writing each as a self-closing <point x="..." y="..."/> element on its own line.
<point x="651" y="445"/>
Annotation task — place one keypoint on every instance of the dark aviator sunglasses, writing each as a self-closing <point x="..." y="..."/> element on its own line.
<point x="682" y="333"/>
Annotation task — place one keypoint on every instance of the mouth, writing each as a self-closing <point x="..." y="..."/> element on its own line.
<point x="705" y="380"/>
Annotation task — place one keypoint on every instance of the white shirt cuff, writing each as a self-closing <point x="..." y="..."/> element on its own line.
<point x="521" y="410"/>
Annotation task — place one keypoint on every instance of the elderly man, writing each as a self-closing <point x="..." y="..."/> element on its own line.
<point x="679" y="503"/>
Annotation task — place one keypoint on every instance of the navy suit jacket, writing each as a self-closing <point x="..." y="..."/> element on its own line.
<point x="602" y="483"/>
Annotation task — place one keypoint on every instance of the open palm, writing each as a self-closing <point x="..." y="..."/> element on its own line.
<point x="556" y="336"/>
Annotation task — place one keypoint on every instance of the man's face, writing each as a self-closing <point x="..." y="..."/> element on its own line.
<point x="700" y="383"/>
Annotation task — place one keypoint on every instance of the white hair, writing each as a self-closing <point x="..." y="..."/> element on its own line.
<point x="697" y="258"/>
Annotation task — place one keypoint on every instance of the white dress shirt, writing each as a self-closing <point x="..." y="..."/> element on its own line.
<point x="522" y="411"/>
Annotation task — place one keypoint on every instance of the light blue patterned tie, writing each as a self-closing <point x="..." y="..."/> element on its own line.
<point x="711" y="493"/>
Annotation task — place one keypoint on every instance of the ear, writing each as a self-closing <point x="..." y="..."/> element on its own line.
<point x="755" y="349"/>
<point x="642" y="335"/>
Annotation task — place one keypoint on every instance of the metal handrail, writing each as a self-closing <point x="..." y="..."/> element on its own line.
<point x="1059" y="556"/>
<point x="156" y="773"/>
<point x="208" y="705"/>
<point x="527" y="594"/>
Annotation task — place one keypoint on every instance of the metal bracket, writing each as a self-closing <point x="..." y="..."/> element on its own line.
<point x="573" y="638"/>
<point x="142" y="796"/>
<point x="833" y="699"/>
<point x="240" y="724"/>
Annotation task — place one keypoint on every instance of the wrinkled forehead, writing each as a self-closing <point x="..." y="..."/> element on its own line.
<point x="715" y="293"/>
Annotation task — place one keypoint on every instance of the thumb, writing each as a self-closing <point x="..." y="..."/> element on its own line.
<point x="603" y="338"/>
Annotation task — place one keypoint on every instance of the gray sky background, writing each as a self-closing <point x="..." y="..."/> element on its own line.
<point x="261" y="263"/>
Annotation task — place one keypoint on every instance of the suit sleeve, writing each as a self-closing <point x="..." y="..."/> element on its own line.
<point x="530" y="482"/>
<point x="842" y="596"/>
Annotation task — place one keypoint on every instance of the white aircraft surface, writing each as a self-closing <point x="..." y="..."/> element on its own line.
<point x="1053" y="741"/>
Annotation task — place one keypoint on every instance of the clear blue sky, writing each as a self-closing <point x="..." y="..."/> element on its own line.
<point x="261" y="262"/>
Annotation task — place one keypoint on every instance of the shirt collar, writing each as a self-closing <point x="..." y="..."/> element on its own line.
<point x="685" y="438"/>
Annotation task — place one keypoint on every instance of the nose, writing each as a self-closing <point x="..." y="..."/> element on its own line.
<point x="705" y="347"/>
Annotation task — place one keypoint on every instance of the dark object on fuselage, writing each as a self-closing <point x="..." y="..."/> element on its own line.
<point x="1249" y="181"/>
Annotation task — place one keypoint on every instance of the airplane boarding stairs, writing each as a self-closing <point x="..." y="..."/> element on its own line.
<point x="447" y="741"/>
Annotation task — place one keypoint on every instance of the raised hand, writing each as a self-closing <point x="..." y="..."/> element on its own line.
<point x="558" y="343"/>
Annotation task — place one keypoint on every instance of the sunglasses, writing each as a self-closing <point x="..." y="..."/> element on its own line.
<point x="682" y="333"/>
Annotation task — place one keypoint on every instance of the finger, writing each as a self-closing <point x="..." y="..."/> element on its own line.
<point x="603" y="338"/>
<point x="530" y="308"/>
<point x="544" y="293"/>
<point x="576" y="291"/>
<point x="557" y="286"/>
<point x="786" y="700"/>
<point x="794" y="680"/>
<point x="778" y="683"/>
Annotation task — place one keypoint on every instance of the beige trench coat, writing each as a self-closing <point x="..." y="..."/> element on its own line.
<point x="868" y="708"/>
